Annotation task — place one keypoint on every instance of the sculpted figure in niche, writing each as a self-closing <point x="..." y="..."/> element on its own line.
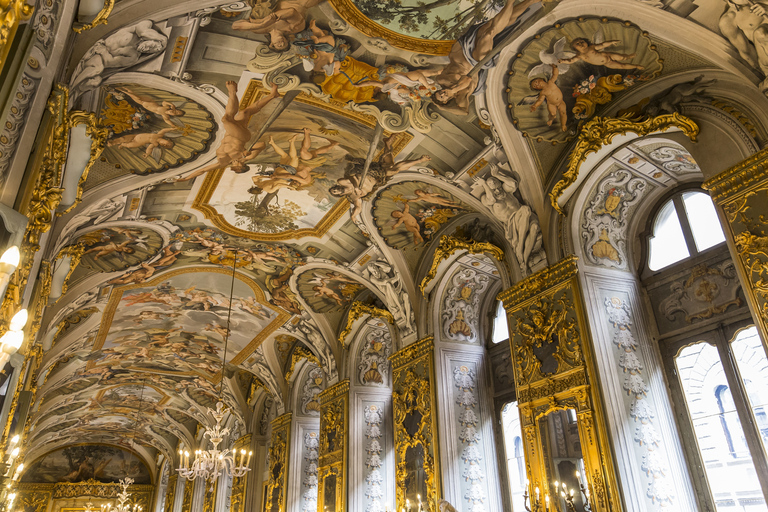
<point x="123" y="49"/>
<point x="398" y="303"/>
<point x="745" y="24"/>
<point x="521" y="228"/>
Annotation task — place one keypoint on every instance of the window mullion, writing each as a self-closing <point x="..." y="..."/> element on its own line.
<point x="744" y="411"/>
<point x="685" y="225"/>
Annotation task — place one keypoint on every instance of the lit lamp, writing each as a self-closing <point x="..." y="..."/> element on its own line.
<point x="14" y="337"/>
<point x="8" y="263"/>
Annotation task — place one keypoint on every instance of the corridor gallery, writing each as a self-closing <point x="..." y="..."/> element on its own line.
<point x="383" y="255"/>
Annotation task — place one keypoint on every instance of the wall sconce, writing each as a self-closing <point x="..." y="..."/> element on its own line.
<point x="14" y="336"/>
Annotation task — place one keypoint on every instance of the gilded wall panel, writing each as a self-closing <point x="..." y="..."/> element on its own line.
<point x="333" y="452"/>
<point x="417" y="470"/>
<point x="275" y="489"/>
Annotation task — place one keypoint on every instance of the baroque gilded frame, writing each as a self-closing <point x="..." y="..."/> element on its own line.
<point x="278" y="454"/>
<point x="413" y="377"/>
<point x="334" y="419"/>
<point x="543" y="310"/>
<point x="240" y="484"/>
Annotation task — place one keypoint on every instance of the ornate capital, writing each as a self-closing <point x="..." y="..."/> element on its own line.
<point x="412" y="352"/>
<point x="739" y="178"/>
<point x="539" y="282"/>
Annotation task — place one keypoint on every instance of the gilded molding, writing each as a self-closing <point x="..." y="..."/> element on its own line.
<point x="186" y="501"/>
<point x="412" y="352"/>
<point x="539" y="282"/>
<point x="278" y="460"/>
<point x="600" y="131"/>
<point x="739" y="178"/>
<point x="13" y="12"/>
<point x="95" y="488"/>
<point x="170" y="494"/>
<point x="353" y="16"/>
<point x="209" y="499"/>
<point x="100" y="19"/>
<point x="413" y="396"/>
<point x="298" y="354"/>
<point x="358" y="310"/>
<point x="334" y="428"/>
<point x="449" y="246"/>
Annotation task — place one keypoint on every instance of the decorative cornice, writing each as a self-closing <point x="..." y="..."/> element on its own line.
<point x="600" y="131"/>
<point x="94" y="488"/>
<point x="412" y="352"/>
<point x="357" y="310"/>
<point x="332" y="393"/>
<point x="738" y="178"/>
<point x="281" y="421"/>
<point x="100" y="19"/>
<point x="450" y="245"/>
<point x="550" y="277"/>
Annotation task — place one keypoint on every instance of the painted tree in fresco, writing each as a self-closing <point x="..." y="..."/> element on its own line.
<point x="447" y="19"/>
<point x="261" y="216"/>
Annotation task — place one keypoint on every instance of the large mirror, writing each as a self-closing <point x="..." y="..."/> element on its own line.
<point x="329" y="492"/>
<point x="416" y="477"/>
<point x="563" y="458"/>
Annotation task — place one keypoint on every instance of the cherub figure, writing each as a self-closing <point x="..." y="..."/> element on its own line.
<point x="405" y="218"/>
<point x="592" y="53"/>
<point x="232" y="152"/>
<point x="292" y="168"/>
<point x="155" y="142"/>
<point x="165" y="109"/>
<point x="322" y="291"/>
<point x="139" y="275"/>
<point x="288" y="18"/>
<point x="551" y="93"/>
<point x="354" y="191"/>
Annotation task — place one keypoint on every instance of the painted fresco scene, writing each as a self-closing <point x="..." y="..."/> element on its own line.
<point x="283" y="194"/>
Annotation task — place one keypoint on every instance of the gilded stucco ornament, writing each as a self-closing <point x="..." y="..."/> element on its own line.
<point x="99" y="19"/>
<point x="357" y="311"/>
<point x="275" y="488"/>
<point x="13" y="12"/>
<point x="601" y="131"/>
<point x="333" y="449"/>
<point x="449" y="246"/>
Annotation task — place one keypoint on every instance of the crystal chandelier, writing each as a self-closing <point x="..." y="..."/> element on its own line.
<point x="209" y="464"/>
<point x="122" y="500"/>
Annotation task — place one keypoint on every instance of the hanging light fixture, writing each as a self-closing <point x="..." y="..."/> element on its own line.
<point x="210" y="464"/>
<point x="123" y="500"/>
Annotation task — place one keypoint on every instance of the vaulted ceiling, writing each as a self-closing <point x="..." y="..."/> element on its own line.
<point x="289" y="225"/>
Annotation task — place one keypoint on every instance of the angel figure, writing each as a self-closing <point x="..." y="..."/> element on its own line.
<point x="434" y="198"/>
<point x="167" y="110"/>
<point x="555" y="57"/>
<point x="403" y="85"/>
<point x="551" y="93"/>
<point x="155" y="142"/>
<point x="591" y="53"/>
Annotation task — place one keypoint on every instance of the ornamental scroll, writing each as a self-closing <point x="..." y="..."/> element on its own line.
<point x="274" y="495"/>
<point x="239" y="484"/>
<point x="553" y="367"/>
<point x="415" y="418"/>
<point x="334" y="421"/>
<point x="742" y="194"/>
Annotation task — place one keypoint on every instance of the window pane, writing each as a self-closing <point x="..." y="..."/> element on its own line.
<point x="753" y="368"/>
<point x="667" y="245"/>
<point x="500" y="330"/>
<point x="727" y="461"/>
<point x="513" y="443"/>
<point x="703" y="220"/>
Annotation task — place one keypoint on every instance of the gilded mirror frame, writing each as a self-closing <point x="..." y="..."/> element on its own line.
<point x="334" y="421"/>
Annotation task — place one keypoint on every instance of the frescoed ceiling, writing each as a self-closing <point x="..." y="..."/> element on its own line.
<point x="270" y="172"/>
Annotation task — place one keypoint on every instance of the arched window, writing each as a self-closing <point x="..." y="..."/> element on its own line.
<point x="500" y="329"/>
<point x="513" y="444"/>
<point x="684" y="226"/>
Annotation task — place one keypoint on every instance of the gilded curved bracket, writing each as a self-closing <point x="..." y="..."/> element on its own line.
<point x="449" y="246"/>
<point x="75" y="253"/>
<point x="359" y="309"/>
<point x="100" y="19"/>
<point x="600" y="131"/>
<point x="298" y="354"/>
<point x="98" y="137"/>
<point x="13" y="12"/>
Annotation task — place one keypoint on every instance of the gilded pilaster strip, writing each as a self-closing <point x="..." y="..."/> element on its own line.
<point x="170" y="493"/>
<point x="278" y="462"/>
<point x="414" y="407"/>
<point x="334" y="445"/>
<point x="240" y="484"/>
